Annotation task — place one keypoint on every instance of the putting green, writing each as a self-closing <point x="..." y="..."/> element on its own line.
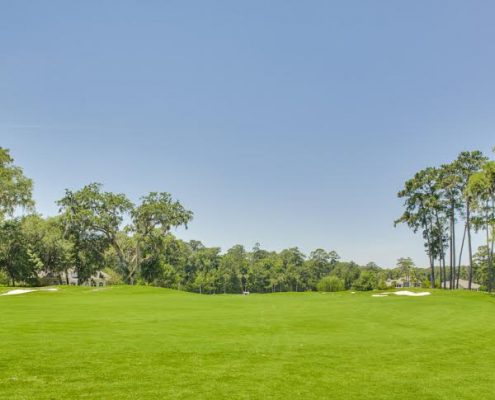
<point x="153" y="343"/>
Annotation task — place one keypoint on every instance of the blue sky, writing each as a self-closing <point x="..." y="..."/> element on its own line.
<point x="285" y="122"/>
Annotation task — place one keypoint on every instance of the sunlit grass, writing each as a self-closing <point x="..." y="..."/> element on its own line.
<point x="152" y="343"/>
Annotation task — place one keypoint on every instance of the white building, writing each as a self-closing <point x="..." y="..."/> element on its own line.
<point x="402" y="283"/>
<point x="99" y="278"/>
<point x="463" y="284"/>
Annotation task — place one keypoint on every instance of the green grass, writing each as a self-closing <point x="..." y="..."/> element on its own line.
<point x="152" y="343"/>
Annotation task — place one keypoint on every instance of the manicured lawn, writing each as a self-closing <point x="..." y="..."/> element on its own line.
<point x="152" y="343"/>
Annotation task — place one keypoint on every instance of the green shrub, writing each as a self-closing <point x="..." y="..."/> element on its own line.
<point x="113" y="277"/>
<point x="366" y="281"/>
<point x="330" y="284"/>
<point x="382" y="285"/>
<point x="48" y="281"/>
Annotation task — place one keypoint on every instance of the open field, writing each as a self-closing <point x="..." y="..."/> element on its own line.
<point x="152" y="343"/>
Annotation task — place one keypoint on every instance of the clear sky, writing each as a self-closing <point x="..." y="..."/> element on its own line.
<point x="291" y="123"/>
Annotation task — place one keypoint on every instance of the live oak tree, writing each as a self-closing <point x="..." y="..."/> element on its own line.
<point x="152" y="221"/>
<point x="15" y="193"/>
<point x="14" y="257"/>
<point x="94" y="216"/>
<point x="166" y="264"/>
<point x="92" y="221"/>
<point x="15" y="188"/>
<point x="48" y="250"/>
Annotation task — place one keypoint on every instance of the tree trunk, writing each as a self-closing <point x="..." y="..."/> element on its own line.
<point x="444" y="267"/>
<point x="453" y="246"/>
<point x="432" y="261"/>
<point x="489" y="248"/>
<point x="489" y="258"/>
<point x="125" y="264"/>
<point x="432" y="276"/>
<point x="460" y="258"/>
<point x="470" y="247"/>
<point x="442" y="254"/>
<point x="450" y="255"/>
<point x="138" y="257"/>
<point x="441" y="272"/>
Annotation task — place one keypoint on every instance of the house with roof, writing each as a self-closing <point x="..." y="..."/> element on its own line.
<point x="99" y="278"/>
<point x="401" y="283"/>
<point x="463" y="284"/>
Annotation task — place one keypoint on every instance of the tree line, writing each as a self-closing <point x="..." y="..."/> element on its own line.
<point x="439" y="199"/>
<point x="133" y="243"/>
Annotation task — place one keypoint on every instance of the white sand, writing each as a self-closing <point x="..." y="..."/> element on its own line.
<point x="17" y="291"/>
<point x="403" y="293"/>
<point x="22" y="291"/>
<point x="413" y="294"/>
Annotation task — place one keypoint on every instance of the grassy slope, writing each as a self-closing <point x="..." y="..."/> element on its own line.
<point x="151" y="343"/>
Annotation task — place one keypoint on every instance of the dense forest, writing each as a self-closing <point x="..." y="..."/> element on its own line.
<point x="97" y="230"/>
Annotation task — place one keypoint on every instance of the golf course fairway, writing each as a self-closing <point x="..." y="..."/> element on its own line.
<point x="150" y="343"/>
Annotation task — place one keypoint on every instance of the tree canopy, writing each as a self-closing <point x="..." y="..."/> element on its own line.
<point x="15" y="188"/>
<point x="99" y="230"/>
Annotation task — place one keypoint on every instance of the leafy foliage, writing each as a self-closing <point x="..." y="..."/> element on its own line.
<point x="15" y="188"/>
<point x="330" y="284"/>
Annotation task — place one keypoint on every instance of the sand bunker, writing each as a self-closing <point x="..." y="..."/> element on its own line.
<point x="403" y="293"/>
<point x="413" y="294"/>
<point x="17" y="291"/>
<point x="22" y="291"/>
